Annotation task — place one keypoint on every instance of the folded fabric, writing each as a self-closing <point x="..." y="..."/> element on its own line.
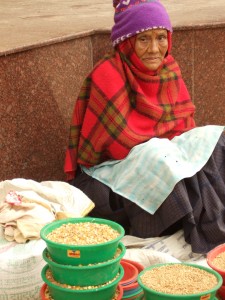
<point x="24" y="221"/>
<point x="26" y="206"/>
<point x="152" y="169"/>
<point x="164" y="249"/>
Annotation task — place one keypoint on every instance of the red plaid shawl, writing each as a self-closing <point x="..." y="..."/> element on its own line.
<point x="122" y="104"/>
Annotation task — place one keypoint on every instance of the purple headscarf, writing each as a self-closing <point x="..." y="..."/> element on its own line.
<point x="135" y="16"/>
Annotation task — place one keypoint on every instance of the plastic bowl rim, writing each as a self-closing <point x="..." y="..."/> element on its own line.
<point x="86" y="267"/>
<point x="44" y="287"/>
<point x="82" y="220"/>
<point x="209" y="259"/>
<point x="50" y="284"/>
<point x="138" y="265"/>
<point x="218" y="276"/>
<point x="132" y="279"/>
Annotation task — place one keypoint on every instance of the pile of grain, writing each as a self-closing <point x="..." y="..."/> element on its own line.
<point x="83" y="234"/>
<point x="86" y="233"/>
<point x="219" y="261"/>
<point x="179" y="279"/>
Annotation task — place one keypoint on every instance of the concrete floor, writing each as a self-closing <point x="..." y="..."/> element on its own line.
<point x="27" y="23"/>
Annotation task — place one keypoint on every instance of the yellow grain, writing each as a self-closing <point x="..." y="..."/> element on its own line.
<point x="179" y="279"/>
<point x="86" y="233"/>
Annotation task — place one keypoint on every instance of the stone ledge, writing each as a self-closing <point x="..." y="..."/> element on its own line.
<point x="30" y="24"/>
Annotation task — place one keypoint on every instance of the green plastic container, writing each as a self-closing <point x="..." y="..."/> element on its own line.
<point x="85" y="275"/>
<point x="102" y="293"/>
<point x="135" y="296"/>
<point x="81" y="254"/>
<point x="44" y="296"/>
<point x="151" y="294"/>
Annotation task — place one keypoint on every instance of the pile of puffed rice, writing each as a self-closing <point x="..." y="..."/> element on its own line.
<point x="85" y="233"/>
<point x="219" y="261"/>
<point x="179" y="279"/>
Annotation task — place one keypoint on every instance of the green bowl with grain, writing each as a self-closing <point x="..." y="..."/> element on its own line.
<point x="82" y="241"/>
<point x="179" y="281"/>
<point x="93" y="274"/>
<point x="99" y="292"/>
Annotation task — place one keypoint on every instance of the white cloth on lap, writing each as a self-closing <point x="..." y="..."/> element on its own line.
<point x="164" y="249"/>
<point x="152" y="169"/>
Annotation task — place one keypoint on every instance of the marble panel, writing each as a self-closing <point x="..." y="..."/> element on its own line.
<point x="183" y="52"/>
<point x="101" y="44"/>
<point x="209" y="76"/>
<point x="38" y="89"/>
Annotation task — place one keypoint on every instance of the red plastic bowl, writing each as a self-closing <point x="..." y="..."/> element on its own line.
<point x="42" y="292"/>
<point x="120" y="295"/>
<point x="44" y="286"/>
<point x="139" y="266"/>
<point x="221" y="292"/>
<point x="134" y="285"/>
<point x="210" y="257"/>
<point x="130" y="273"/>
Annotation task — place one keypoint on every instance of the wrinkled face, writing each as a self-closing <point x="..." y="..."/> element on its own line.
<point x="151" y="47"/>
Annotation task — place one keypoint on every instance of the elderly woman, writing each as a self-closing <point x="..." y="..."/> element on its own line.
<point x="134" y="148"/>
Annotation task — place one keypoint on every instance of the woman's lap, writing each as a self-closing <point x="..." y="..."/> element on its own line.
<point x="197" y="202"/>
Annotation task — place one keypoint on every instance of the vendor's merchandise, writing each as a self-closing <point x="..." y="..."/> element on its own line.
<point x="45" y="295"/>
<point x="216" y="260"/>
<point x="179" y="281"/>
<point x="67" y="292"/>
<point x="131" y="288"/>
<point x="83" y="258"/>
<point x="94" y="274"/>
<point x="79" y="240"/>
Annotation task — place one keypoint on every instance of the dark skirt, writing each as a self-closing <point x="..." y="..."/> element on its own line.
<point x="196" y="205"/>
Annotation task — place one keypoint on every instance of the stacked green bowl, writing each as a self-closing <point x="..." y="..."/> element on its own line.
<point x="81" y="254"/>
<point x="94" y="274"/>
<point x="97" y="293"/>
<point x="89" y="271"/>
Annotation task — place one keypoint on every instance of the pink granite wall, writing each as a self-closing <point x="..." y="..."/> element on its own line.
<point x="38" y="89"/>
<point x="201" y="55"/>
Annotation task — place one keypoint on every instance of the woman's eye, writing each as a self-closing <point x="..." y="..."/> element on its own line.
<point x="143" y="39"/>
<point x="162" y="37"/>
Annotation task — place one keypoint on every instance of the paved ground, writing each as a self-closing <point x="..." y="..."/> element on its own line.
<point x="24" y="23"/>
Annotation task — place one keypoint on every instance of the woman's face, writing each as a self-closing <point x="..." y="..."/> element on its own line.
<point x="151" y="47"/>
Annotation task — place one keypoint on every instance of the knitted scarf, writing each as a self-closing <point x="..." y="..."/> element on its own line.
<point x="122" y="104"/>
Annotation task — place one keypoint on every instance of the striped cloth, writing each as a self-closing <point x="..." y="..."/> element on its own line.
<point x="151" y="170"/>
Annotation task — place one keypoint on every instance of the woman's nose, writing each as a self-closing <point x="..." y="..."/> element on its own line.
<point x="153" y="46"/>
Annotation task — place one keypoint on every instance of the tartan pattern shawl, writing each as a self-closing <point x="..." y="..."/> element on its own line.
<point x="122" y="104"/>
